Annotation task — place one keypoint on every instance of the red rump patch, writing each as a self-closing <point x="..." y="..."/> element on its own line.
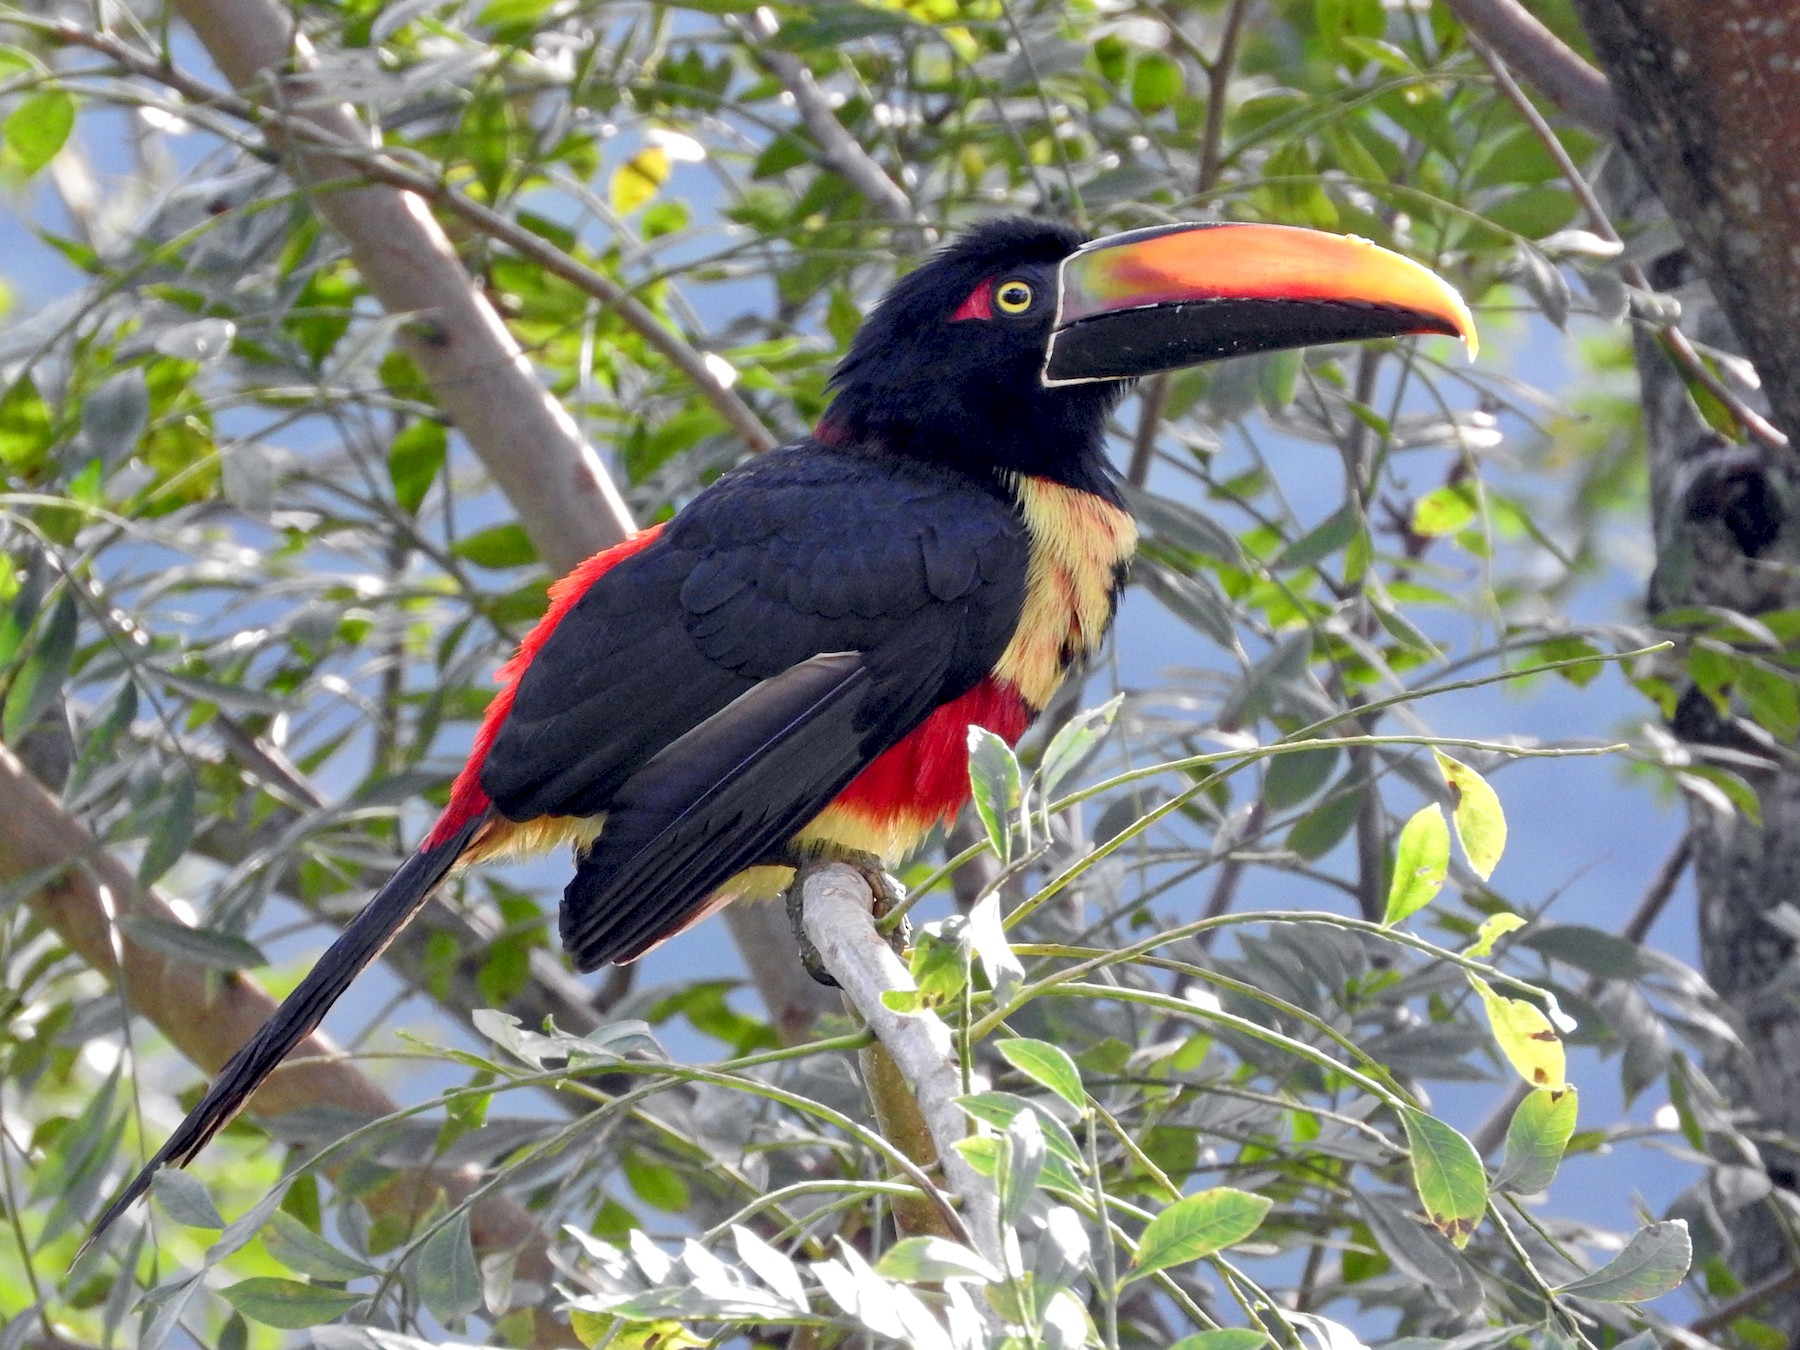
<point x="467" y="800"/>
<point x="926" y="776"/>
<point x="979" y="305"/>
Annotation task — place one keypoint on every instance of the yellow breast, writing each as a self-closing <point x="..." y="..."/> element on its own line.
<point x="1080" y="545"/>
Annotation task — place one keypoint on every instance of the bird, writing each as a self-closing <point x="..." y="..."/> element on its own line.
<point x="788" y="668"/>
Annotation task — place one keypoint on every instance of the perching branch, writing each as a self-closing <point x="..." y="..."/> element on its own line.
<point x="1553" y="68"/>
<point x="840" y="922"/>
<point x="82" y="893"/>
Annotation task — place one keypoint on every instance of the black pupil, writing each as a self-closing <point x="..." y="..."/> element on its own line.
<point x="1014" y="294"/>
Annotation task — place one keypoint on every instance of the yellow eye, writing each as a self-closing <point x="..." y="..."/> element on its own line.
<point x="1013" y="297"/>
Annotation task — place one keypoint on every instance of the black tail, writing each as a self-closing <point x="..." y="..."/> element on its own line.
<point x="369" y="933"/>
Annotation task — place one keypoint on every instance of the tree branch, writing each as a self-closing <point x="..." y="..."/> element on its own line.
<point x="82" y="892"/>
<point x="1554" y="68"/>
<point x="839" y="151"/>
<point x="331" y="158"/>
<point x="538" y="460"/>
<point x="527" y="440"/>
<point x="839" y="920"/>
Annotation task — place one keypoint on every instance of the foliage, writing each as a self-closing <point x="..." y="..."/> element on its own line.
<point x="254" y="588"/>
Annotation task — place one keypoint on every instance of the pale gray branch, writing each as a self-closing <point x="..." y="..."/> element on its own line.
<point x="840" y="922"/>
<point x="1549" y="64"/>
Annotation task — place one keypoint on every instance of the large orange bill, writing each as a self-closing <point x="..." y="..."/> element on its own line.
<point x="1157" y="299"/>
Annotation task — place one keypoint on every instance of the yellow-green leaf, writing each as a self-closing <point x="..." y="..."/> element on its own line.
<point x="1046" y="1065"/>
<point x="1444" y="511"/>
<point x="1447" y="1174"/>
<point x="1536" y="1140"/>
<point x="1421" y="862"/>
<point x="292" y="1305"/>
<point x="37" y="129"/>
<point x="1197" y="1226"/>
<point x="1526" y="1037"/>
<point x="1480" y="823"/>
<point x="1493" y="928"/>
<point x="637" y="180"/>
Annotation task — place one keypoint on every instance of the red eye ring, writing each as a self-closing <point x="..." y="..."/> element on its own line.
<point x="979" y="305"/>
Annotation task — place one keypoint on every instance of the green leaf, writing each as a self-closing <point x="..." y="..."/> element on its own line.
<point x="40" y="680"/>
<point x="303" y="1251"/>
<point x="1447" y="1174"/>
<point x="998" y="787"/>
<point x="939" y="965"/>
<point x="497" y="547"/>
<point x="184" y="1199"/>
<point x="1156" y="83"/>
<point x="656" y="1183"/>
<point x="1197" y="1226"/>
<point x="1046" y="1065"/>
<point x="1536" y="1140"/>
<point x="25" y="428"/>
<point x="930" y="1260"/>
<point x="1323" y="540"/>
<point x="1493" y="928"/>
<point x="1653" y="1262"/>
<point x="414" y="461"/>
<point x="1480" y="823"/>
<point x="1421" y="862"/>
<point x="1444" y="511"/>
<point x="38" y="128"/>
<point x="1073" y="742"/>
<point x="1226" y="1338"/>
<point x="1295" y="775"/>
<point x="172" y="831"/>
<point x="1318" y="831"/>
<point x="290" y="1304"/>
<point x="449" y="1282"/>
<point x="203" y="946"/>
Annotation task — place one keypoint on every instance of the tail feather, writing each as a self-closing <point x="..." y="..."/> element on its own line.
<point x="368" y="935"/>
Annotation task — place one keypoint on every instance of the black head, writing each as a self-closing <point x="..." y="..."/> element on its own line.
<point x="949" y="365"/>
<point x="1009" y="348"/>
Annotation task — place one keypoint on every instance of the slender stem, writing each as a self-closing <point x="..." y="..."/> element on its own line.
<point x="1218" y="80"/>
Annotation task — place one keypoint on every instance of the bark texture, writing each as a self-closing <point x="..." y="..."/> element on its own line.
<point x="1710" y="112"/>
<point x="1709" y="107"/>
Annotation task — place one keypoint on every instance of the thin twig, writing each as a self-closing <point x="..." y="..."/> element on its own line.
<point x="839" y="151"/>
<point x="1552" y="66"/>
<point x="1676" y="343"/>
<point x="1155" y="395"/>
<point x="1218" y="77"/>
<point x="1782" y="1282"/>
<point x="1151" y="402"/>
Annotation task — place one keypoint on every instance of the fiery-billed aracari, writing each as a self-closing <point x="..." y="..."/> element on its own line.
<point x="789" y="667"/>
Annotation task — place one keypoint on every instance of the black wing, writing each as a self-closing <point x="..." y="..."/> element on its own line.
<point x="680" y="695"/>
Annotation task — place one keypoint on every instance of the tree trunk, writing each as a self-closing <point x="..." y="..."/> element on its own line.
<point x="1710" y="113"/>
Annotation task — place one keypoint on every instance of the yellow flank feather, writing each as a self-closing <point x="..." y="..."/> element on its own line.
<point x="836" y="830"/>
<point x="1079" y="543"/>
<point x="503" y="838"/>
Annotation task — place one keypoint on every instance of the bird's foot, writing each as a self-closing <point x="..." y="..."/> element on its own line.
<point x="885" y="888"/>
